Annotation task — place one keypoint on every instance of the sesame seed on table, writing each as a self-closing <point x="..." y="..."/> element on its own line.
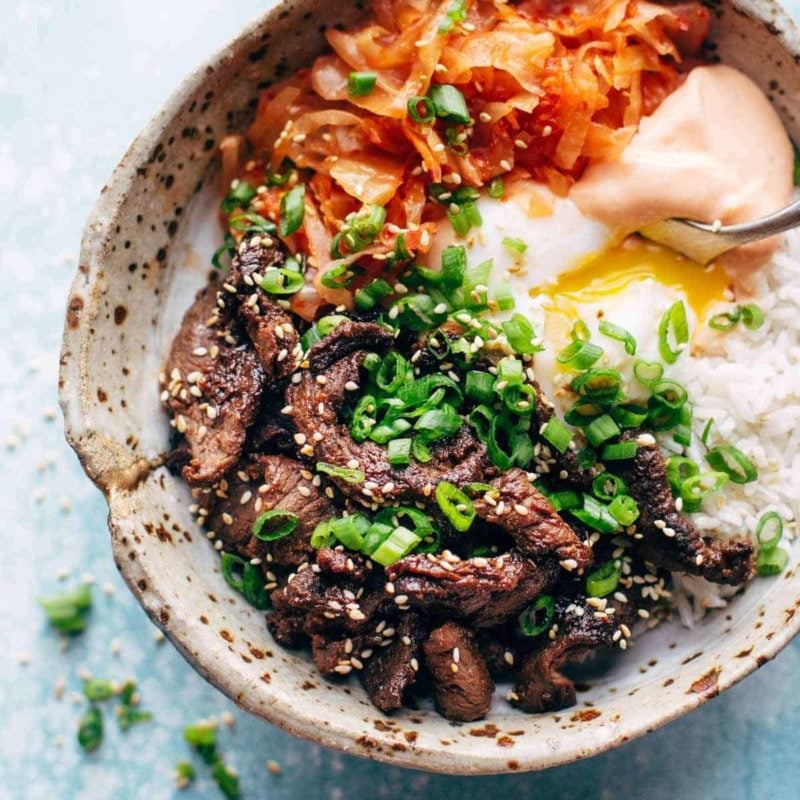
<point x="77" y="82"/>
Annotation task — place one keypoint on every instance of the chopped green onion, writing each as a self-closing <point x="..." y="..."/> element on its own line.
<point x="596" y="515"/>
<point x="629" y="415"/>
<point x="386" y="431"/>
<point x="678" y="470"/>
<point x="619" y="451"/>
<point x="504" y="297"/>
<point x="281" y="178"/>
<point x="624" y="509"/>
<point x="670" y="393"/>
<point x="350" y="530"/>
<point x="322" y="535"/>
<point x="231" y="565"/>
<point x="377" y="533"/>
<point x="227" y="248"/>
<point x="252" y="223"/>
<point x="128" y="716"/>
<point x="67" y="612"/>
<point x="422" y="110"/>
<point x="282" y="281"/>
<point x="438" y="423"/>
<point x="582" y="412"/>
<point x="496" y="188"/>
<point x="769" y="530"/>
<point x="607" y="486"/>
<point x="697" y="487"/>
<point x="602" y="429"/>
<point x="253" y="587"/>
<point x="393" y="372"/>
<point x="509" y="372"/>
<point x="557" y="435"/>
<point x="455" y="505"/>
<point x="423" y="390"/>
<point x="521" y="399"/>
<point x="587" y="457"/>
<point x="239" y="196"/>
<point x="360" y="84"/>
<point x="90" y="730"/>
<point x="579" y="355"/>
<point x="203" y="737"/>
<point x="647" y="372"/>
<point x="227" y="781"/>
<point x="97" y="690"/>
<point x="521" y="335"/>
<point x="725" y="320"/>
<point x="399" y="452"/>
<point x="538" y="617"/>
<point x="564" y="501"/>
<point x="673" y="332"/>
<point x="619" y="334"/>
<point x="450" y="104"/>
<point x="367" y="297"/>
<point x="682" y="432"/>
<point x="733" y="462"/>
<point x="360" y="229"/>
<point x="456" y="12"/>
<point x="516" y="246"/>
<point x="752" y="316"/>
<point x="185" y="773"/>
<point x="293" y="209"/>
<point x="399" y="544"/>
<point x="772" y="561"/>
<point x="502" y="442"/>
<point x="479" y="386"/>
<point x="363" y="419"/>
<point x="580" y="331"/>
<point x="706" y="432"/>
<point x="274" y="524"/>
<point x="339" y="276"/>
<point x="603" y="580"/>
<point x="481" y="418"/>
<point x="466" y="218"/>
<point x="602" y="385"/>
<point x="345" y="473"/>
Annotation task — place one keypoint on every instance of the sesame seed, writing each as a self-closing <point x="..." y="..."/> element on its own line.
<point x="485" y="117"/>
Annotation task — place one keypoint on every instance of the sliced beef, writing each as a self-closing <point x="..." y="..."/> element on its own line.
<point x="262" y="484"/>
<point x="341" y="655"/>
<point x="286" y="628"/>
<point x="318" y="400"/>
<point x="331" y="602"/>
<point x="499" y="650"/>
<point x="338" y="561"/>
<point x="462" y="685"/>
<point x="578" y="628"/>
<point x="213" y="386"/>
<point x="391" y="670"/>
<point x="482" y="591"/>
<point x="270" y="327"/>
<point x="527" y="516"/>
<point x="670" y="539"/>
<point x="272" y="432"/>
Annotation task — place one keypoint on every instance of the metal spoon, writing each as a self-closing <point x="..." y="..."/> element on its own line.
<point x="703" y="243"/>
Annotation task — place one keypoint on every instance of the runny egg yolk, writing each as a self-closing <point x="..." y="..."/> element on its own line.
<point x="611" y="271"/>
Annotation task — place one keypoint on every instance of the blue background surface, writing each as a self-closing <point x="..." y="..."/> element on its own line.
<point x="78" y="80"/>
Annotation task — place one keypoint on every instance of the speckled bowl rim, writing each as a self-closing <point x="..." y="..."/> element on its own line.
<point x="99" y="460"/>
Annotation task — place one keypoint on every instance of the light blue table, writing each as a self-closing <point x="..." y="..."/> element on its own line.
<point x="77" y="81"/>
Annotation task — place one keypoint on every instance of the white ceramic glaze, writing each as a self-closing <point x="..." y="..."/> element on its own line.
<point x="145" y="250"/>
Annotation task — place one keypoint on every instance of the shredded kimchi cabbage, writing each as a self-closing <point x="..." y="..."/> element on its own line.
<point x="550" y="88"/>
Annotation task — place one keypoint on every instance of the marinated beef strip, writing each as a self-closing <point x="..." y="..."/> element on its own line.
<point x="316" y="404"/>
<point x="214" y="383"/>
<point x="578" y="628"/>
<point x="527" y="516"/>
<point x="391" y="670"/>
<point x="261" y="484"/>
<point x="481" y="591"/>
<point x="670" y="539"/>
<point x="270" y="328"/>
<point x="462" y="685"/>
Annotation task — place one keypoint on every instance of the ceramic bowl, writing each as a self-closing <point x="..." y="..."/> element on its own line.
<point x="145" y="251"/>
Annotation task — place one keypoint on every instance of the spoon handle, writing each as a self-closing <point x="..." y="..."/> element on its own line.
<point x="778" y="222"/>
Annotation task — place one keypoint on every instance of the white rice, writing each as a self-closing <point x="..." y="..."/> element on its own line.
<point x="752" y="392"/>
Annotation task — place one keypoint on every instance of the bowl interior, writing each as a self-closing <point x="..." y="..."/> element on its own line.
<point x="146" y="250"/>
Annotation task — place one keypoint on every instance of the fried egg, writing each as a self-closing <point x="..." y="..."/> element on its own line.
<point x="575" y="268"/>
